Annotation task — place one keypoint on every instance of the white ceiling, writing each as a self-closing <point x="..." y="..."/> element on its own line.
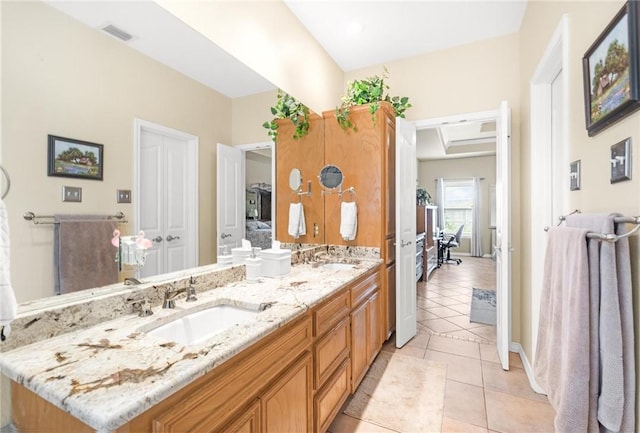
<point x="356" y="34"/>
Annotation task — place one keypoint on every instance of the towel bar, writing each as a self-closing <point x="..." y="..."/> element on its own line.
<point x="36" y="219"/>
<point x="609" y="237"/>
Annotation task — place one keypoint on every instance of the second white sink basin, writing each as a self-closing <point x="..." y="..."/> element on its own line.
<point x="202" y="325"/>
<point x="337" y="266"/>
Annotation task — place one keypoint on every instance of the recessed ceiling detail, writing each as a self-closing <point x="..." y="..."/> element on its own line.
<point x="117" y="32"/>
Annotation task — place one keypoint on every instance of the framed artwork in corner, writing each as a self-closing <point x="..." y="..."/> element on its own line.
<point x="68" y="157"/>
<point x="610" y="71"/>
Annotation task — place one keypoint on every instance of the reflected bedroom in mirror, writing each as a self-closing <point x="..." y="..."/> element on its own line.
<point x="258" y="198"/>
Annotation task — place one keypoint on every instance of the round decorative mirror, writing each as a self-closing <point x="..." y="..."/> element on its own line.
<point x="330" y="176"/>
<point x="295" y="179"/>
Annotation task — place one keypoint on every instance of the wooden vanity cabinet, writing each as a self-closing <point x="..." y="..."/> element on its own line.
<point x="294" y="380"/>
<point x="366" y="326"/>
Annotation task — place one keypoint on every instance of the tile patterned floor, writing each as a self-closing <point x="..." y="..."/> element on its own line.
<point x="479" y="395"/>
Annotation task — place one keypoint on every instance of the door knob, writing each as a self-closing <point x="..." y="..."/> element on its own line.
<point x="405" y="243"/>
<point x="171" y="237"/>
<point x="226" y="235"/>
<point x="157" y="239"/>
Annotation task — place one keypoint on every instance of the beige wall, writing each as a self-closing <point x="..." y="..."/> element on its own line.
<point x="258" y="168"/>
<point x="483" y="166"/>
<point x="60" y="77"/>
<point x="586" y="22"/>
<point x="248" y="114"/>
<point x="253" y="33"/>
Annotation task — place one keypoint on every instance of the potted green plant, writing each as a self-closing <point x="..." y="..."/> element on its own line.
<point x="423" y="197"/>
<point x="288" y="107"/>
<point x="372" y="91"/>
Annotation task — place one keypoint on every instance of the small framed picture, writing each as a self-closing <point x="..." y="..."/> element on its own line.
<point x="74" y="158"/>
<point x="621" y="161"/>
<point x="574" y="175"/>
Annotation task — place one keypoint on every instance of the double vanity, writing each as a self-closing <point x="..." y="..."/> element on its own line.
<point x="281" y="354"/>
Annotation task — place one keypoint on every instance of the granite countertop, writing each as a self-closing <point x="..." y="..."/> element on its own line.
<point x="110" y="373"/>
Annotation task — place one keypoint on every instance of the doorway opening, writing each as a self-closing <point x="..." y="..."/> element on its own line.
<point x="457" y="148"/>
<point x="259" y="194"/>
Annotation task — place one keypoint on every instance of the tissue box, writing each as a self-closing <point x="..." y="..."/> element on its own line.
<point x="239" y="254"/>
<point x="275" y="263"/>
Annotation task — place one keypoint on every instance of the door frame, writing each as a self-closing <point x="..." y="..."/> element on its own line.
<point x="465" y="117"/>
<point x="192" y="196"/>
<point x="543" y="157"/>
<point x="264" y="145"/>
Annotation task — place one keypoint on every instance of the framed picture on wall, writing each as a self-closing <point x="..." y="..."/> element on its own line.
<point x="68" y="157"/>
<point x="610" y="71"/>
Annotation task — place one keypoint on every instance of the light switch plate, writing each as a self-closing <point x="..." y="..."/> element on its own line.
<point x="621" y="161"/>
<point x="123" y="196"/>
<point x="574" y="175"/>
<point x="72" y="194"/>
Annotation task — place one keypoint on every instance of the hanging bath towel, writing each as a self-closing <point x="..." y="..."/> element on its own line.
<point x="348" y="220"/>
<point x="297" y="226"/>
<point x="8" y="306"/>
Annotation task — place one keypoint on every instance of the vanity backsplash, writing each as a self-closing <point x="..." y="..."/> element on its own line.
<point x="47" y="318"/>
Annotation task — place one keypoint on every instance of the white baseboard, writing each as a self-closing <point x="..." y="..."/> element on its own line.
<point x="528" y="368"/>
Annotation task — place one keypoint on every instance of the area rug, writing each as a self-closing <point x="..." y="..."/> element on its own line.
<point x="483" y="306"/>
<point x="401" y="393"/>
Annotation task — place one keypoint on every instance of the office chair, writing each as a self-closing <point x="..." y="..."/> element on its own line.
<point x="451" y="241"/>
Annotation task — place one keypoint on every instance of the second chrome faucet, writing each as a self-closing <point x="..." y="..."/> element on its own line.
<point x="170" y="293"/>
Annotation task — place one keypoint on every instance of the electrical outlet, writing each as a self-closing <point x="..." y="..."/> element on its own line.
<point x="123" y="196"/>
<point x="72" y="194"/>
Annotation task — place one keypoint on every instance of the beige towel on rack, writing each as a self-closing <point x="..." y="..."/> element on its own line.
<point x="8" y="306"/>
<point x="83" y="254"/>
<point x="348" y="220"/>
<point x="612" y="357"/>
<point x="561" y="364"/>
<point x="297" y="226"/>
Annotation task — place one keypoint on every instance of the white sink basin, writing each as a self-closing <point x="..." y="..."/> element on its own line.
<point x="202" y="325"/>
<point x="338" y="266"/>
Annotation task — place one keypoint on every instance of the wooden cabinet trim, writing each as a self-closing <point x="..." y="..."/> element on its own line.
<point x="331" y="312"/>
<point x="329" y="400"/>
<point x="330" y="351"/>
<point x="362" y="290"/>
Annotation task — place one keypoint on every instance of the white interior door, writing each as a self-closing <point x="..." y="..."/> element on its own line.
<point x="167" y="207"/>
<point x="231" y="196"/>
<point x="406" y="182"/>
<point x="503" y="233"/>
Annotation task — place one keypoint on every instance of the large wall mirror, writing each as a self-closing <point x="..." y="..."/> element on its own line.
<point x="65" y="78"/>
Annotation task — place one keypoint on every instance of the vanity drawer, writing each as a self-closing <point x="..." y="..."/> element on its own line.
<point x="331" y="312"/>
<point x="362" y="290"/>
<point x="331" y="397"/>
<point x="330" y="351"/>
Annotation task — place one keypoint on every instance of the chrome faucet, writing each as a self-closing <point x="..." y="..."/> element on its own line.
<point x="131" y="281"/>
<point x="191" y="293"/>
<point x="143" y="307"/>
<point x="169" y="294"/>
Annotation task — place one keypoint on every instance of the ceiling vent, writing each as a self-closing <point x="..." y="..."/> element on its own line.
<point x="118" y="33"/>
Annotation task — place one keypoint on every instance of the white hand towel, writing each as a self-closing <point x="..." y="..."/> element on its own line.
<point x="297" y="225"/>
<point x="8" y="306"/>
<point x="348" y="220"/>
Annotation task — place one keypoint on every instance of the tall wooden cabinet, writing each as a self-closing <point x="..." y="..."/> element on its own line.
<point x="366" y="157"/>
<point x="307" y="155"/>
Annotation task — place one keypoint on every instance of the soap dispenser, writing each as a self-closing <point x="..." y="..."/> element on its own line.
<point x="254" y="266"/>
<point x="224" y="258"/>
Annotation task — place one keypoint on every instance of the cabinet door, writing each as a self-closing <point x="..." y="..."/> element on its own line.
<point x="286" y="406"/>
<point x="247" y="422"/>
<point x="374" y="327"/>
<point x="359" y="355"/>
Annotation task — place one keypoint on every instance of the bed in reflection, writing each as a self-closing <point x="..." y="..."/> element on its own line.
<point x="259" y="233"/>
